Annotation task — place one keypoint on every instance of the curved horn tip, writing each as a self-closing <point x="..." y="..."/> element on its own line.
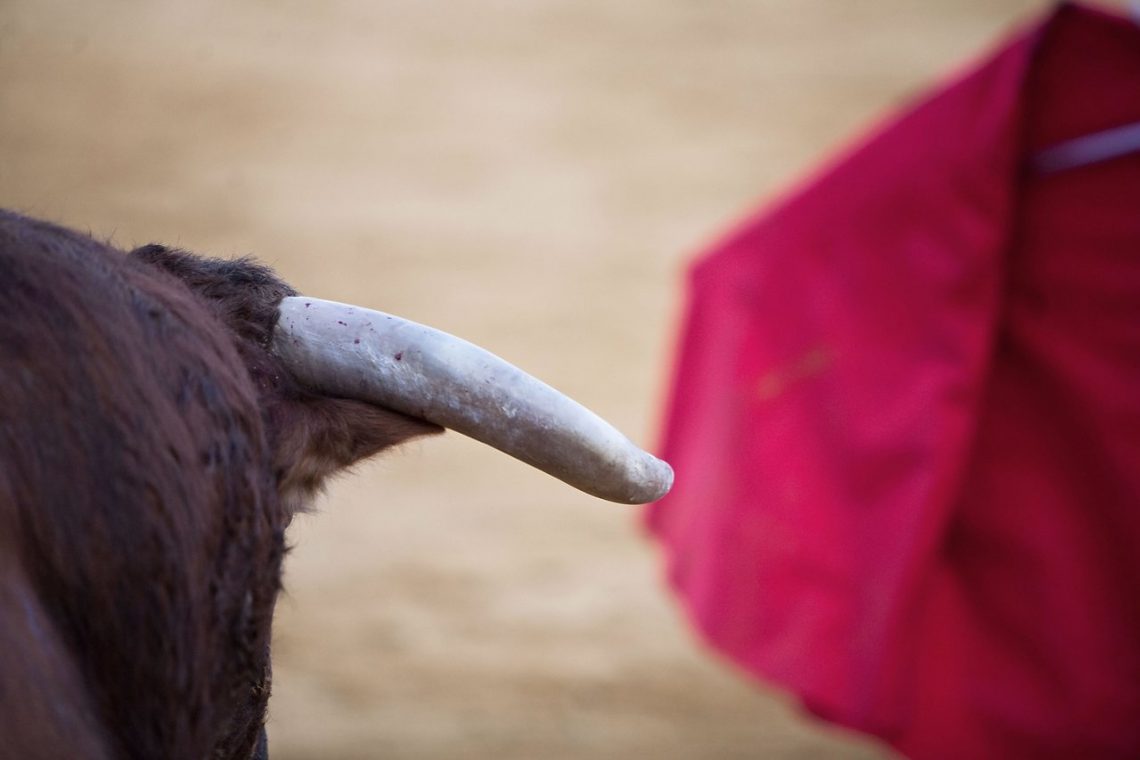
<point x="656" y="485"/>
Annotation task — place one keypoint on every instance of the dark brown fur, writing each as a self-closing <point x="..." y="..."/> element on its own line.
<point x="152" y="453"/>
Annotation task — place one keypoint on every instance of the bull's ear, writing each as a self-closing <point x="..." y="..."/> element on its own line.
<point x="315" y="437"/>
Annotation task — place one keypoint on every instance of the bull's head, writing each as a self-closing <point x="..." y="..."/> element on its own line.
<point x="339" y="383"/>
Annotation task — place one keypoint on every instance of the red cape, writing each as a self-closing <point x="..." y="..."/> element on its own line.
<point x="906" y="421"/>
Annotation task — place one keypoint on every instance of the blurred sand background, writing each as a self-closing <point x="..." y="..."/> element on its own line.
<point x="532" y="175"/>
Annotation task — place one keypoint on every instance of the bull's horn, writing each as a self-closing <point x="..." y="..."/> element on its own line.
<point x="357" y="353"/>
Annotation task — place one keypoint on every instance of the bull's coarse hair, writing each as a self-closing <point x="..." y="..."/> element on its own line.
<point x="152" y="453"/>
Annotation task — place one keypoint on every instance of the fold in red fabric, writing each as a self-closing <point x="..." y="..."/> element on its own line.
<point x="905" y="421"/>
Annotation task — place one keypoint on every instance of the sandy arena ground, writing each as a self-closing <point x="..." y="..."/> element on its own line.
<point x="532" y="175"/>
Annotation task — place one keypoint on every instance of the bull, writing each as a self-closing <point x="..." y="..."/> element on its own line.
<point x="162" y="418"/>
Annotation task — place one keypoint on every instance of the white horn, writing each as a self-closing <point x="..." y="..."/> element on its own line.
<point x="357" y="353"/>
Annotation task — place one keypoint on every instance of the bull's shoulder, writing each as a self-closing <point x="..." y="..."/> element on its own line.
<point x="137" y="480"/>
